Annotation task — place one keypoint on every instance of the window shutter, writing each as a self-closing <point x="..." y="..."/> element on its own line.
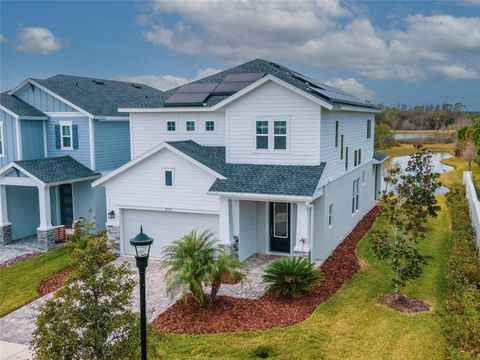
<point x="75" y="136"/>
<point x="57" y="136"/>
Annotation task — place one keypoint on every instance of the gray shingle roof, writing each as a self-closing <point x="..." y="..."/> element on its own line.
<point x="297" y="180"/>
<point x="379" y="156"/>
<point x="56" y="169"/>
<point x="97" y="96"/>
<point x="19" y="107"/>
<point x="331" y="95"/>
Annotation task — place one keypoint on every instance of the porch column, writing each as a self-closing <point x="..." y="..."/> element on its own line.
<point x="302" y="241"/>
<point x="45" y="232"/>
<point x="5" y="225"/>
<point x="225" y="227"/>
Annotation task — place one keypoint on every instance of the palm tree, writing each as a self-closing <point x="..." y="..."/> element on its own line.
<point x="225" y="266"/>
<point x="189" y="262"/>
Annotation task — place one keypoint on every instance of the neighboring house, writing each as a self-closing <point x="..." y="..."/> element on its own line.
<point x="269" y="160"/>
<point x="56" y="136"/>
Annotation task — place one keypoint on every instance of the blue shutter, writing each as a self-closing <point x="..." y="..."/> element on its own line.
<point x="75" y="136"/>
<point x="57" y="136"/>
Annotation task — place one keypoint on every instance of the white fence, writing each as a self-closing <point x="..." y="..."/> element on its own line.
<point x="473" y="203"/>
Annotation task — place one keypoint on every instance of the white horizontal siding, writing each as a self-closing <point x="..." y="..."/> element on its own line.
<point x="149" y="130"/>
<point x="268" y="102"/>
<point x="141" y="186"/>
<point x="353" y="125"/>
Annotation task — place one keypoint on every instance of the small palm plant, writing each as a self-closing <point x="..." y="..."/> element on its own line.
<point x="225" y="266"/>
<point x="291" y="276"/>
<point x="189" y="261"/>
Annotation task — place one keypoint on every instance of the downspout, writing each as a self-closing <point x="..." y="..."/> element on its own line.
<point x="312" y="213"/>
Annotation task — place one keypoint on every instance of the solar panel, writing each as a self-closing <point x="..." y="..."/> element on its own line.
<point x="342" y="97"/>
<point x="197" y="88"/>
<point x="187" y="99"/>
<point x="226" y="88"/>
<point x="244" y="77"/>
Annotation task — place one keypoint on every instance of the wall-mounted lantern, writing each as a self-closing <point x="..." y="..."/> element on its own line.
<point x="111" y="215"/>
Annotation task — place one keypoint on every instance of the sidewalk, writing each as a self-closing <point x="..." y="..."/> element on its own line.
<point x="11" y="351"/>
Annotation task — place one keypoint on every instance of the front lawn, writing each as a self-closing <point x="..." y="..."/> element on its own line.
<point x="18" y="283"/>
<point x="350" y="325"/>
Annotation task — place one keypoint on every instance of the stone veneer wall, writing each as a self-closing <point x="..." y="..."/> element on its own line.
<point x="46" y="238"/>
<point x="113" y="238"/>
<point x="231" y="248"/>
<point x="6" y="234"/>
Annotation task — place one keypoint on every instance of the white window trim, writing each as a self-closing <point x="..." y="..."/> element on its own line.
<point x="287" y="231"/>
<point x="330" y="216"/>
<point x="166" y="126"/>
<point x="271" y="134"/>
<point x="209" y="131"/>
<point x="194" y="124"/>
<point x="2" y="138"/>
<point x="173" y="178"/>
<point x="63" y="124"/>
<point x="355" y="196"/>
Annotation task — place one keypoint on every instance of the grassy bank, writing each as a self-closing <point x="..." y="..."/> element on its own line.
<point x="18" y="283"/>
<point x="350" y="325"/>
<point x="426" y="132"/>
<point x="407" y="149"/>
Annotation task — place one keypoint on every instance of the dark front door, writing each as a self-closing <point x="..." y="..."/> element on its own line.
<point x="280" y="227"/>
<point x="66" y="204"/>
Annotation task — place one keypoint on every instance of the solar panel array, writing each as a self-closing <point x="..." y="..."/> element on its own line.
<point x="196" y="94"/>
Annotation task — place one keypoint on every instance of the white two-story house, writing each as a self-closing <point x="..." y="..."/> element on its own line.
<point x="269" y="160"/>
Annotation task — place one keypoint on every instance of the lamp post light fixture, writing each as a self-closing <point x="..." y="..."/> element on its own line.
<point x="142" y="243"/>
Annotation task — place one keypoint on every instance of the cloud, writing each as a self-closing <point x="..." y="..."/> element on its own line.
<point x="352" y="87"/>
<point x="324" y="34"/>
<point x="454" y="72"/>
<point x="2" y="38"/>
<point x="166" y="82"/>
<point x="37" y="40"/>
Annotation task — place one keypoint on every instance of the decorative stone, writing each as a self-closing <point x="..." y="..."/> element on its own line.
<point x="6" y="234"/>
<point x="113" y="238"/>
<point x="303" y="254"/>
<point x="231" y="248"/>
<point x="46" y="238"/>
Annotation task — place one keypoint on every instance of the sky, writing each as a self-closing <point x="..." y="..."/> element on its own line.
<point x="389" y="52"/>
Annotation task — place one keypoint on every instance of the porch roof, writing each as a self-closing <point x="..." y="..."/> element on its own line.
<point x="56" y="169"/>
<point x="379" y="157"/>
<point x="291" y="180"/>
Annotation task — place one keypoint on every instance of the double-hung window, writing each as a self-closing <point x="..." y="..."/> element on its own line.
<point x="190" y="125"/>
<point x="262" y="135"/>
<point x="336" y="133"/>
<point x="330" y="215"/>
<point x="280" y="135"/>
<point x="341" y="147"/>
<point x="359" y="156"/>
<point x="66" y="136"/>
<point x="356" y="184"/>
<point x="168" y="180"/>
<point x="209" y="125"/>
<point x="346" y="158"/>
<point x="369" y="129"/>
<point x="171" y="126"/>
<point x="2" y="141"/>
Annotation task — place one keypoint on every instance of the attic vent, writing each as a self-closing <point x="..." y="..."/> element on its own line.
<point x="98" y="82"/>
<point x="136" y="86"/>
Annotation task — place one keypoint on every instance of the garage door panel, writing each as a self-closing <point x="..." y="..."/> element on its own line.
<point x="163" y="227"/>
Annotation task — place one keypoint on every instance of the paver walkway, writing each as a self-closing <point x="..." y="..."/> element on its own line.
<point x="21" y="247"/>
<point x="19" y="325"/>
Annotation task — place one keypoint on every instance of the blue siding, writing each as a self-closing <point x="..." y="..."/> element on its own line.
<point x="112" y="144"/>
<point x="43" y="101"/>
<point x="82" y="154"/>
<point x="85" y="198"/>
<point x="32" y="139"/>
<point x="10" y="138"/>
<point x="23" y="210"/>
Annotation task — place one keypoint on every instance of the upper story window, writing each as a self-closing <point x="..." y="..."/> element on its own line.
<point x="359" y="156"/>
<point x="341" y="147"/>
<point x="336" y="133"/>
<point x="66" y="135"/>
<point x="346" y="158"/>
<point x="330" y="215"/>
<point x="209" y="125"/>
<point x="2" y="141"/>
<point x="168" y="178"/>
<point x="190" y="125"/>
<point x="369" y="129"/>
<point x="266" y="139"/>
<point x="171" y="126"/>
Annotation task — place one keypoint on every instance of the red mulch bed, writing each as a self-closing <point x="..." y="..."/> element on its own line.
<point x="405" y="304"/>
<point x="54" y="282"/>
<point x="231" y="314"/>
<point x="19" y="259"/>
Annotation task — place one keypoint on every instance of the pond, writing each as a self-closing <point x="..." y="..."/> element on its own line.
<point x="412" y="136"/>
<point x="438" y="167"/>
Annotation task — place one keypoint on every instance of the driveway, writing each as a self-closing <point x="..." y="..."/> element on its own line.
<point x="19" y="325"/>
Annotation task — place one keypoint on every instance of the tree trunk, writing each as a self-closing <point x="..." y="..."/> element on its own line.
<point x="215" y="287"/>
<point x="469" y="166"/>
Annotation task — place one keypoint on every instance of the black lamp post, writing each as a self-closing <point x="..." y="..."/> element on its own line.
<point x="142" y="244"/>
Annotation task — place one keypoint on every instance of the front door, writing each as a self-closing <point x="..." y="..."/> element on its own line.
<point x="280" y="227"/>
<point x="66" y="204"/>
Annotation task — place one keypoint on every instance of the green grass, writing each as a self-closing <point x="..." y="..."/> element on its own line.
<point x="407" y="149"/>
<point x="351" y="324"/>
<point x="18" y="283"/>
<point x="432" y="132"/>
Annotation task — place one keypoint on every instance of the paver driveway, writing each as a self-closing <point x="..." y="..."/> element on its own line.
<point x="18" y="326"/>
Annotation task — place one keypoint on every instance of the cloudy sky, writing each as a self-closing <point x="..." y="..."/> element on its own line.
<point x="390" y="52"/>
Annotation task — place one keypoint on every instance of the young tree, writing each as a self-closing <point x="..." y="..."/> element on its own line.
<point x="469" y="152"/>
<point x="407" y="205"/>
<point x="225" y="265"/>
<point x="90" y="317"/>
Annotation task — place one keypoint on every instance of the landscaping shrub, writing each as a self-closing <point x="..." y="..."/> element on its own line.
<point x="461" y="315"/>
<point x="290" y="276"/>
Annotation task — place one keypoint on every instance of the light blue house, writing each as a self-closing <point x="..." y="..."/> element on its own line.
<point x="57" y="135"/>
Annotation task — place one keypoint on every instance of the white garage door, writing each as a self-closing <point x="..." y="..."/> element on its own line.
<point x="163" y="227"/>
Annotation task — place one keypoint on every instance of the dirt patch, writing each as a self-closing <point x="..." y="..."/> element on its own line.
<point x="231" y="314"/>
<point x="229" y="280"/>
<point x="19" y="259"/>
<point x="405" y="304"/>
<point x="54" y="282"/>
